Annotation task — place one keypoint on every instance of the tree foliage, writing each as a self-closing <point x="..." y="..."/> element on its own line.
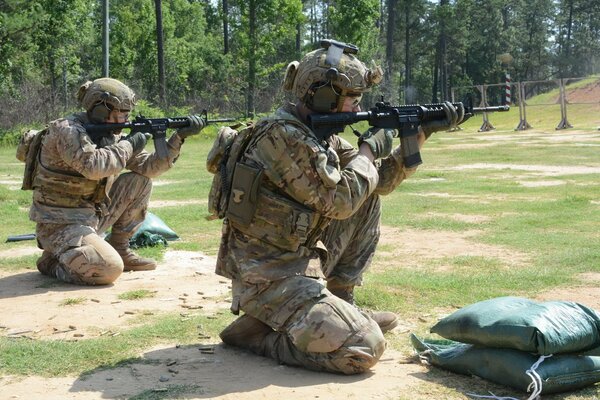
<point x="233" y="62"/>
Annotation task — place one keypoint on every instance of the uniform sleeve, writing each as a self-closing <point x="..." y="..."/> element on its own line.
<point x="151" y="165"/>
<point x="79" y="152"/>
<point x="392" y="172"/>
<point x="311" y="174"/>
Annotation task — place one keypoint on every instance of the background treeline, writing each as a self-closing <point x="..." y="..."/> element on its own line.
<point x="229" y="55"/>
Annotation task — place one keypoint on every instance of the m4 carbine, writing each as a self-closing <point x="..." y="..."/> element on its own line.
<point x="157" y="127"/>
<point x="405" y="119"/>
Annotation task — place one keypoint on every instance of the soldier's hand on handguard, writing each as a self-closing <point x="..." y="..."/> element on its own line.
<point x="196" y="125"/>
<point x="138" y="141"/>
<point x="454" y="116"/>
<point x="379" y="140"/>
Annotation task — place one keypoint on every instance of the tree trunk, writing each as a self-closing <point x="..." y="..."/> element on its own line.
<point x="389" y="49"/>
<point x="160" y="53"/>
<point x="105" y="39"/>
<point x="225" y="27"/>
<point x="409" y="92"/>
<point x="440" y="77"/>
<point x="251" y="57"/>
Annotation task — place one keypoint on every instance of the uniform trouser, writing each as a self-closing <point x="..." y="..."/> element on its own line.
<point x="80" y="253"/>
<point x="313" y="328"/>
<point x="351" y="244"/>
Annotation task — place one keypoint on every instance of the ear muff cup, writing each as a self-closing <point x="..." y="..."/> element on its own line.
<point x="323" y="100"/>
<point x="99" y="113"/>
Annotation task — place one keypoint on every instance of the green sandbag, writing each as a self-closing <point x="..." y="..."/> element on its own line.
<point x="147" y="239"/>
<point x="517" y="323"/>
<point x="154" y="225"/>
<point x="558" y="373"/>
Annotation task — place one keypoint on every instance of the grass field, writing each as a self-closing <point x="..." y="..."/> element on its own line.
<point x="530" y="200"/>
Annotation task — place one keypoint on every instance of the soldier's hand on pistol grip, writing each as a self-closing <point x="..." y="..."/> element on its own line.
<point x="454" y="116"/>
<point x="196" y="125"/>
<point x="379" y="140"/>
<point x="138" y="141"/>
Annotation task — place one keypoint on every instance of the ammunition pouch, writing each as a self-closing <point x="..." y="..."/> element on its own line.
<point x="221" y="161"/>
<point x="243" y="196"/>
<point x="280" y="222"/>
<point x="28" y="150"/>
<point x="65" y="188"/>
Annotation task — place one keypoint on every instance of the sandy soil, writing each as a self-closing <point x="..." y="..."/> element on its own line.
<point x="185" y="283"/>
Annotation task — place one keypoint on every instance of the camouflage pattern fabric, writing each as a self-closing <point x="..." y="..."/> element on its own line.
<point x="351" y="244"/>
<point x="84" y="256"/>
<point x="72" y="165"/>
<point x="312" y="327"/>
<point x="70" y="215"/>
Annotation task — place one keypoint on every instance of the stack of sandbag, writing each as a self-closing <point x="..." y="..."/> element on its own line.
<point x="537" y="347"/>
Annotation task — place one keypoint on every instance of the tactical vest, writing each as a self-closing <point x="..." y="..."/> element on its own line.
<point x="254" y="205"/>
<point x="56" y="187"/>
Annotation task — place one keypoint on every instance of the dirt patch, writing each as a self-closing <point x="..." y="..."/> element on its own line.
<point x="429" y="244"/>
<point x="468" y="218"/>
<point x="163" y="182"/>
<point x="183" y="282"/>
<point x="20" y="252"/>
<point x="541" y="170"/>
<point x="227" y="374"/>
<point x="11" y="184"/>
<point x="589" y="93"/>
<point x="541" y="183"/>
<point x="175" y="203"/>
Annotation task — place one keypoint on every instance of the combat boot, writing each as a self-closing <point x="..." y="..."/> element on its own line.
<point x="385" y="319"/>
<point x="49" y="265"/>
<point x="131" y="261"/>
<point x="246" y="332"/>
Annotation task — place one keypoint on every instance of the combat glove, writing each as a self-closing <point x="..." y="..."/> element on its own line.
<point x="196" y="125"/>
<point x="138" y="141"/>
<point x="454" y="116"/>
<point x="379" y="140"/>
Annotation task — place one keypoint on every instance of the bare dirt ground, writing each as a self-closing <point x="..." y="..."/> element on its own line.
<point x="31" y="305"/>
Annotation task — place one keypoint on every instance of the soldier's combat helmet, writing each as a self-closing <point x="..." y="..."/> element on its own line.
<point x="324" y="77"/>
<point x="101" y="96"/>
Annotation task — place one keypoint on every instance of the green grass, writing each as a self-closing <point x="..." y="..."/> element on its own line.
<point x="469" y="181"/>
<point x="72" y="301"/>
<point x="136" y="294"/>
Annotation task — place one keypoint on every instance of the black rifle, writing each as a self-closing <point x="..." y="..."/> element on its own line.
<point x="157" y="127"/>
<point x="405" y="119"/>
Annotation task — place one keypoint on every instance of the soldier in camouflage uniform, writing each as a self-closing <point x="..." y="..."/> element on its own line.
<point x="78" y="191"/>
<point x="302" y="223"/>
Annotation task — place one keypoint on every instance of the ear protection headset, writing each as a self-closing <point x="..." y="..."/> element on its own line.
<point x="325" y="96"/>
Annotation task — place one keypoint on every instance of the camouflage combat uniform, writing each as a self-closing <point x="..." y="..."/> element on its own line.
<point x="78" y="194"/>
<point x="317" y="218"/>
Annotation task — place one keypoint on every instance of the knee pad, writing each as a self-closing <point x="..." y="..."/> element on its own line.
<point x="92" y="266"/>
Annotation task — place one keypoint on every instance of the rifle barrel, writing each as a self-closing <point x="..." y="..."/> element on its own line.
<point x="212" y="121"/>
<point x="491" y="109"/>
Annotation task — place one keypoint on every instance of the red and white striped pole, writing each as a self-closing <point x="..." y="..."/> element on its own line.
<point x="507" y="90"/>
